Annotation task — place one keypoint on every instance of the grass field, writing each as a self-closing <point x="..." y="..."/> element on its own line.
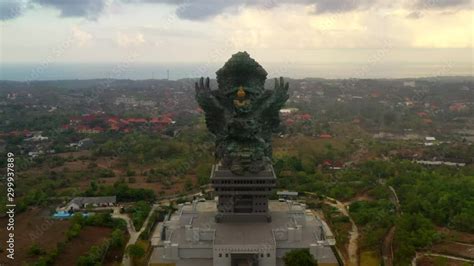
<point x="370" y="258"/>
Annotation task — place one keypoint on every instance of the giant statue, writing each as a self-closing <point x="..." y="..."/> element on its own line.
<point x="242" y="114"/>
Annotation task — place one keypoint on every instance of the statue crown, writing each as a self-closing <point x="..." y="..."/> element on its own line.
<point x="241" y="70"/>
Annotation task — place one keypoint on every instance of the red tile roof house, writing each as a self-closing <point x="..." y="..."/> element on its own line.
<point x="304" y="117"/>
<point x="114" y="123"/>
<point x="325" y="136"/>
<point x="289" y="121"/>
<point x="165" y="120"/>
<point x="88" y="117"/>
<point x="86" y="129"/>
<point x="333" y="165"/>
<point x="137" y="120"/>
<point x="457" y="107"/>
<point x="422" y="114"/>
<point x="25" y="133"/>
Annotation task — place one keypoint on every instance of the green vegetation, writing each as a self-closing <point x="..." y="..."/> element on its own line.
<point x="117" y="239"/>
<point x="370" y="258"/>
<point x="181" y="155"/>
<point x="94" y="256"/>
<point x="175" y="156"/>
<point x="299" y="257"/>
<point x="35" y="250"/>
<point x="442" y="196"/>
<point x="139" y="212"/>
<point x="414" y="231"/>
<point x="156" y="217"/>
<point x="96" y="253"/>
<point x="136" y="251"/>
<point x="445" y="195"/>
<point x="375" y="218"/>
<point x="339" y="223"/>
<point x="121" y="190"/>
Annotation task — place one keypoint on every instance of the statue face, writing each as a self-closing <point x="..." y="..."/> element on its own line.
<point x="242" y="101"/>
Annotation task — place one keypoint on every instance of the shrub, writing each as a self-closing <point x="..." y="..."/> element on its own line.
<point x="35" y="250"/>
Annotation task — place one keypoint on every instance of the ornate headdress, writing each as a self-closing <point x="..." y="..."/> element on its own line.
<point x="241" y="70"/>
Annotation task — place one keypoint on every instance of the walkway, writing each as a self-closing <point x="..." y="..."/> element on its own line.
<point x="353" y="246"/>
<point x="134" y="234"/>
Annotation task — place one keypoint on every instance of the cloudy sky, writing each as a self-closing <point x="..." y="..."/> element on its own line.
<point x="297" y="31"/>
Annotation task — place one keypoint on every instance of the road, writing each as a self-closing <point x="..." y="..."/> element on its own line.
<point x="353" y="246"/>
<point x="134" y="234"/>
<point x="387" y="248"/>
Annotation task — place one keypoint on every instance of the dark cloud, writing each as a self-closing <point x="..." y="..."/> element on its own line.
<point x="441" y="4"/>
<point x="205" y="9"/>
<point x="336" y="6"/>
<point x="10" y="9"/>
<point x="201" y="10"/>
<point x="76" y="8"/>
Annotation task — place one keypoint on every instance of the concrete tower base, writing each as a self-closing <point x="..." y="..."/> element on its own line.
<point x="242" y="198"/>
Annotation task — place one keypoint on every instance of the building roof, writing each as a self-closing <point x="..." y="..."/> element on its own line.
<point x="285" y="216"/>
<point x="287" y="193"/>
<point x="325" y="136"/>
<point x="93" y="200"/>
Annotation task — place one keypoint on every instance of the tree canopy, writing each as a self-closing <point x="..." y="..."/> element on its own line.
<point x="299" y="257"/>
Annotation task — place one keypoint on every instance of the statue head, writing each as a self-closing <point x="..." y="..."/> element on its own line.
<point x="241" y="71"/>
<point x="241" y="79"/>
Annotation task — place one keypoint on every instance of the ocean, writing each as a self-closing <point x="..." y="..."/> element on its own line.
<point x="173" y="71"/>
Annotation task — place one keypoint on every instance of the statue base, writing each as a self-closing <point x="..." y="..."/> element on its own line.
<point x="242" y="198"/>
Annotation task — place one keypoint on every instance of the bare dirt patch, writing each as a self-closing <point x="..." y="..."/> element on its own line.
<point x="80" y="245"/>
<point x="32" y="226"/>
<point x="456" y="236"/>
<point x="455" y="249"/>
<point x="74" y="154"/>
<point x="140" y="182"/>
<point x="434" y="261"/>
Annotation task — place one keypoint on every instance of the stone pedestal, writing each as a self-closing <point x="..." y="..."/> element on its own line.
<point x="242" y="198"/>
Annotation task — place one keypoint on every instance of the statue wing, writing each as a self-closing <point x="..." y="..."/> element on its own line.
<point x="214" y="111"/>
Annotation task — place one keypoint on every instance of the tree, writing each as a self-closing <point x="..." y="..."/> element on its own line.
<point x="203" y="171"/>
<point x="299" y="257"/>
<point x="136" y="251"/>
<point x="77" y="218"/>
<point x="188" y="184"/>
<point x="73" y="231"/>
<point x="117" y="239"/>
<point x="35" y="250"/>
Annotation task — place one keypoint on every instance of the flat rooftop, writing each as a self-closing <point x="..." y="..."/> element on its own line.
<point x="284" y="215"/>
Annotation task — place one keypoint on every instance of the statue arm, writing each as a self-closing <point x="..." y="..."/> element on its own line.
<point x="274" y="102"/>
<point x="204" y="96"/>
<point x="280" y="93"/>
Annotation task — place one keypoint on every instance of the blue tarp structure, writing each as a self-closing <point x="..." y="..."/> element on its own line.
<point x="66" y="215"/>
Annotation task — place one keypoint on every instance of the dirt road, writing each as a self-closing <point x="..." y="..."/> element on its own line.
<point x="387" y="248"/>
<point x="353" y="246"/>
<point x="134" y="234"/>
